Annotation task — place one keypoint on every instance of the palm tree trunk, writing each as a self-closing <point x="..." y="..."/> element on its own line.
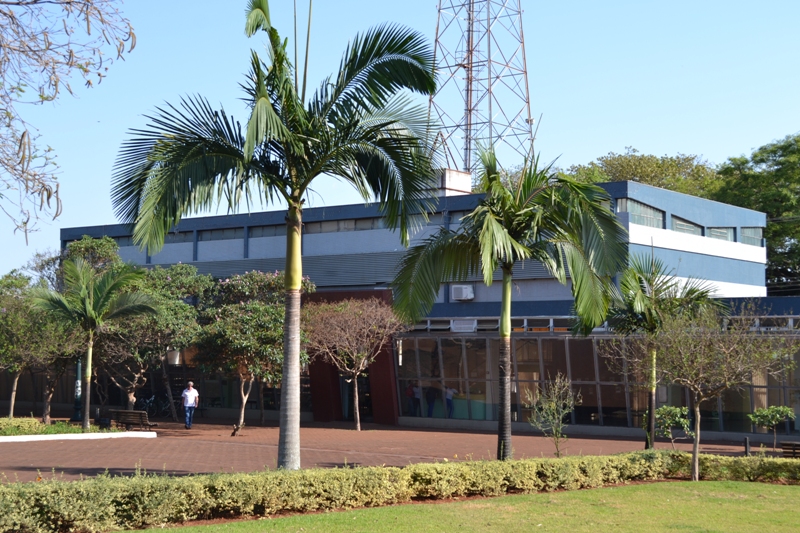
<point x="87" y="383"/>
<point x="14" y="382"/>
<point x="504" y="414"/>
<point x="651" y="403"/>
<point x="356" y="413"/>
<point x="289" y="440"/>
<point x="696" y="443"/>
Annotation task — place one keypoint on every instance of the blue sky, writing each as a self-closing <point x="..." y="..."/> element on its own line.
<point x="714" y="78"/>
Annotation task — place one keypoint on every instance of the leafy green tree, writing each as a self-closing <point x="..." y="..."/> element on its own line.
<point x="668" y="417"/>
<point x="648" y="294"/>
<point x="136" y="343"/>
<point x="770" y="417"/>
<point x="769" y="181"/>
<point x="550" y="404"/>
<point x="242" y="331"/>
<point x="356" y="127"/>
<point x="90" y="300"/>
<point x="689" y="174"/>
<point x="552" y="219"/>
<point x="709" y="353"/>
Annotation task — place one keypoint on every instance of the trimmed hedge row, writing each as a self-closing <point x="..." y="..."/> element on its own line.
<point x="108" y="503"/>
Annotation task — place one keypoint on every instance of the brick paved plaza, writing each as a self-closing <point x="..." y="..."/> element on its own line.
<point x="208" y="447"/>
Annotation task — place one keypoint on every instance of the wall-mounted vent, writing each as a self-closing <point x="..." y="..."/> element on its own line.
<point x="461" y="325"/>
<point x="460" y="293"/>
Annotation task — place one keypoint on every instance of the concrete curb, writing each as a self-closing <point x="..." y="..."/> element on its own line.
<point x="81" y="436"/>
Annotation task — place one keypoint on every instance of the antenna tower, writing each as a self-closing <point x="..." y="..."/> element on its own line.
<point x="483" y="98"/>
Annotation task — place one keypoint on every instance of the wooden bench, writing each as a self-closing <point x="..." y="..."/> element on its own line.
<point x="791" y="449"/>
<point x="129" y="419"/>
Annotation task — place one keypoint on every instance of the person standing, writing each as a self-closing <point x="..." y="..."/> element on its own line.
<point x="191" y="399"/>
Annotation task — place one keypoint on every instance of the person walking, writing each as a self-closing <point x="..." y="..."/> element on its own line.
<point x="191" y="399"/>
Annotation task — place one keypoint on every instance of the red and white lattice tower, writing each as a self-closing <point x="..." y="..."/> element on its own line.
<point x="483" y="98"/>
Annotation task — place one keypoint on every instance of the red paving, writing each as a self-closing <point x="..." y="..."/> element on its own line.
<point x="208" y="447"/>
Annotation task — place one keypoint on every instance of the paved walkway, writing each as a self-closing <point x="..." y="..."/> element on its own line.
<point x="208" y="447"/>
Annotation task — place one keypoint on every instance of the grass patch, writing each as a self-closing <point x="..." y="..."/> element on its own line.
<point x="13" y="427"/>
<point x="707" y="506"/>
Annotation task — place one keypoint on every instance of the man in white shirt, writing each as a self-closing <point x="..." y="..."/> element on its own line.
<point x="191" y="399"/>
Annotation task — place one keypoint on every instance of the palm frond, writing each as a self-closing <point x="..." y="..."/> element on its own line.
<point x="444" y="256"/>
<point x="257" y="17"/>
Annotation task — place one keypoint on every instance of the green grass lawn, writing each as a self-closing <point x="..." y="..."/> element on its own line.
<point x="669" y="506"/>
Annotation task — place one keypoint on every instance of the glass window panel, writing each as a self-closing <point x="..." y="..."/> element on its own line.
<point x="581" y="358"/>
<point x="684" y="226"/>
<point x="709" y="416"/>
<point x="478" y="400"/>
<point x="476" y="358"/>
<point x="793" y="400"/>
<point x="407" y="360"/>
<point x="614" y="409"/>
<point x="609" y="365"/>
<point x="433" y="404"/>
<point x="526" y="352"/>
<point x="587" y="411"/>
<point x="457" y="404"/>
<point x="752" y="236"/>
<point x="735" y="408"/>
<point x="428" y="358"/>
<point x="554" y="356"/>
<point x="452" y="360"/>
<point x="640" y="213"/>
<point x="124" y="241"/>
<point x="533" y="387"/>
<point x="272" y="231"/>
<point x="723" y="234"/>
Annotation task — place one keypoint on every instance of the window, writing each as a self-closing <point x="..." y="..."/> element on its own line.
<point x="183" y="236"/>
<point x="684" y="226"/>
<point x="123" y="241"/>
<point x="723" y="234"/>
<point x="752" y="236"/>
<point x="266" y="231"/>
<point x="333" y="226"/>
<point x="640" y="213"/>
<point x="221" y="234"/>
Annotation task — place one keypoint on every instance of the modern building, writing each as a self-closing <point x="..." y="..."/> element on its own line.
<point x="347" y="251"/>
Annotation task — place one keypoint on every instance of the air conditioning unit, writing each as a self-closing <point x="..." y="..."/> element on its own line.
<point x="460" y="293"/>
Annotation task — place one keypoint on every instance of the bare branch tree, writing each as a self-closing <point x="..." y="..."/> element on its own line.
<point x="43" y="43"/>
<point x="350" y="334"/>
<point x="709" y="354"/>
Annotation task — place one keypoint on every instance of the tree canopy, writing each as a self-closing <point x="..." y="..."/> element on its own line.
<point x="43" y="44"/>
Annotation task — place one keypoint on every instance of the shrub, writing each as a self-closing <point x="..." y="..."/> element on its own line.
<point x="32" y="426"/>
<point x="107" y="503"/>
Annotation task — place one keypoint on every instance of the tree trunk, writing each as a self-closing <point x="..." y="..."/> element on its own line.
<point x="167" y="387"/>
<point x="244" y="394"/>
<point x="696" y="444"/>
<point x="130" y="392"/>
<point x="87" y="384"/>
<point x="33" y="389"/>
<point x="289" y="440"/>
<point x="14" y="382"/>
<point x="356" y="413"/>
<point x="504" y="389"/>
<point x="774" y="438"/>
<point x="261" y="398"/>
<point x="51" y="382"/>
<point x="650" y="438"/>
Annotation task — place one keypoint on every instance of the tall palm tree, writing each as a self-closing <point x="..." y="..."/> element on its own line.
<point x="357" y="127"/>
<point x="649" y="293"/>
<point x="536" y="215"/>
<point x="89" y="300"/>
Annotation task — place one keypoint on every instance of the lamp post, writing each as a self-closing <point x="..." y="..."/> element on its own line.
<point x="77" y="415"/>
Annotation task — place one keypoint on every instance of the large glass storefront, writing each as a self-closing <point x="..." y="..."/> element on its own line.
<point x="451" y="376"/>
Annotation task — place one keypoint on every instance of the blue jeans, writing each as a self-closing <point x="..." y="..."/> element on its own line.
<point x="189" y="412"/>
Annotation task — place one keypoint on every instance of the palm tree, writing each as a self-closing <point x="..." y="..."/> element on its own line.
<point x="356" y="127"/>
<point x="89" y="300"/>
<point x="535" y="215"/>
<point x="648" y="294"/>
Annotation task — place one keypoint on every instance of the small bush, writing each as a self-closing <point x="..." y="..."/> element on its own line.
<point x="107" y="503"/>
<point x="12" y="427"/>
